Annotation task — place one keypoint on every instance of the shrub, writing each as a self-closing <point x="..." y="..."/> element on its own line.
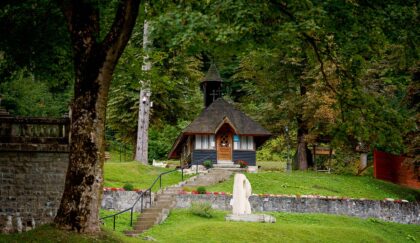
<point x="242" y="163"/>
<point x="201" y="190"/>
<point x="202" y="209"/>
<point x="128" y="187"/>
<point x="187" y="189"/>
<point x="208" y="164"/>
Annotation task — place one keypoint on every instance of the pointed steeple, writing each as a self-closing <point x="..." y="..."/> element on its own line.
<point x="212" y="74"/>
<point x="211" y="85"/>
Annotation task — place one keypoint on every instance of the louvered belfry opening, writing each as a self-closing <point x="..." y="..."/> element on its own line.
<point x="211" y="85"/>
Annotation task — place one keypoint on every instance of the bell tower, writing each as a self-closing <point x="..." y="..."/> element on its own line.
<point x="211" y="85"/>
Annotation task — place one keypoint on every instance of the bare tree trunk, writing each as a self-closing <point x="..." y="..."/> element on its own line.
<point x="302" y="159"/>
<point x="144" y="105"/>
<point x="143" y="127"/>
<point x="94" y="65"/>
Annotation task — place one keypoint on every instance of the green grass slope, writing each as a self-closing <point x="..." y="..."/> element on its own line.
<point x="140" y="176"/>
<point x="181" y="226"/>
<point x="313" y="183"/>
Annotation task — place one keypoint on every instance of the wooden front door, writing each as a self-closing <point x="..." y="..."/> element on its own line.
<point x="224" y="145"/>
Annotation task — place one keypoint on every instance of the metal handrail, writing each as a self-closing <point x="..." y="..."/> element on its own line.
<point x="141" y="197"/>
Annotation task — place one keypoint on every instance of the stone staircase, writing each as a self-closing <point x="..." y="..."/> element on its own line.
<point x="165" y="200"/>
<point x="225" y="164"/>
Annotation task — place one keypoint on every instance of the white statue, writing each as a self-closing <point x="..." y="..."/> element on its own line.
<point x="241" y="192"/>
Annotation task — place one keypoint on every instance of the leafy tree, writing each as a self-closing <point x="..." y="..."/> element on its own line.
<point x="35" y="56"/>
<point x="94" y="61"/>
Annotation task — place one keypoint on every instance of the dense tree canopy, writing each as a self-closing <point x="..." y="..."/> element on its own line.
<point x="339" y="71"/>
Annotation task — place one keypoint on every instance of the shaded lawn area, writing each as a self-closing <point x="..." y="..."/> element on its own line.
<point x="315" y="183"/>
<point x="49" y="234"/>
<point x="182" y="226"/>
<point x="117" y="174"/>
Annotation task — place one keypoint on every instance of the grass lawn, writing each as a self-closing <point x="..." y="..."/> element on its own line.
<point x="122" y="221"/>
<point x="313" y="183"/>
<point x="140" y="176"/>
<point x="49" y="234"/>
<point x="181" y="226"/>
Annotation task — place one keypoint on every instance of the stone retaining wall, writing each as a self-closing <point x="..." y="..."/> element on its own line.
<point x="33" y="165"/>
<point x="399" y="212"/>
<point x="31" y="185"/>
<point x="121" y="200"/>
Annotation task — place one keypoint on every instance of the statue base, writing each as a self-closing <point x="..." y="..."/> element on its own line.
<point x="262" y="218"/>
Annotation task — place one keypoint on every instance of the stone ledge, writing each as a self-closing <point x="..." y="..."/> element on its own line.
<point x="30" y="147"/>
<point x="259" y="218"/>
<point x="391" y="211"/>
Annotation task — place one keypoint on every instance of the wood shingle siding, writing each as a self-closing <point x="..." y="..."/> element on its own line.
<point x="199" y="156"/>
<point x="247" y="156"/>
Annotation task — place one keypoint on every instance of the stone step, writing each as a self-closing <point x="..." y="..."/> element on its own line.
<point x="226" y="166"/>
<point x="149" y="217"/>
<point x="152" y="210"/>
<point x="132" y="233"/>
<point x="141" y="229"/>
<point x="150" y="214"/>
<point x="144" y="223"/>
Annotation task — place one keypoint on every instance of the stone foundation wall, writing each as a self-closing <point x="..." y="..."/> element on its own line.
<point x="399" y="212"/>
<point x="31" y="184"/>
<point x="121" y="200"/>
<point x="33" y="165"/>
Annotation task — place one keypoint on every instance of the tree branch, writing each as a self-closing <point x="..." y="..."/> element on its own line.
<point x="312" y="42"/>
<point x="121" y="29"/>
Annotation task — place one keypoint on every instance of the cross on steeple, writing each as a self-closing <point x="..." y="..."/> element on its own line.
<point x="211" y="85"/>
<point x="214" y="94"/>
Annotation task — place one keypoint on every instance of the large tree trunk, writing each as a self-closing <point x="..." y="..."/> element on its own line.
<point x="302" y="159"/>
<point x="94" y="64"/>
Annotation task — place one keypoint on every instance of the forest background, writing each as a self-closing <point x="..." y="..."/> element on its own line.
<point x="341" y="71"/>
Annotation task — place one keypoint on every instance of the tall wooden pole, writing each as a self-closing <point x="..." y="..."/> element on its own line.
<point x="144" y="104"/>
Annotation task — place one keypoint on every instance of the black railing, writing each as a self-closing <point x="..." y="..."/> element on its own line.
<point x="144" y="195"/>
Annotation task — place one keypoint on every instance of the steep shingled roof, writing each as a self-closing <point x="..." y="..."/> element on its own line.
<point x="212" y="74"/>
<point x="211" y="119"/>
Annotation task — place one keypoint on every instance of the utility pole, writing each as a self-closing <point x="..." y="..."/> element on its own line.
<point x="144" y="104"/>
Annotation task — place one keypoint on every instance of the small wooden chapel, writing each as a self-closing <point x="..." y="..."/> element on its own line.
<point x="221" y="133"/>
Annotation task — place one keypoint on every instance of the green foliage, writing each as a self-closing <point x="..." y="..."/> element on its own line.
<point x="208" y="164"/>
<point x="36" y="70"/>
<point x="128" y="187"/>
<point x="290" y="227"/>
<point x="316" y="183"/>
<point x="162" y="139"/>
<point x="274" y="149"/>
<point x="201" y="190"/>
<point x="202" y="209"/>
<point x="25" y="96"/>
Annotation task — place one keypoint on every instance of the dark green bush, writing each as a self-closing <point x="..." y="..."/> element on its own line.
<point x="201" y="190"/>
<point x="128" y="187"/>
<point x="208" y="164"/>
<point x="202" y="209"/>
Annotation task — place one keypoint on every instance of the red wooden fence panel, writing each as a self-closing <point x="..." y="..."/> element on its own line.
<point x="390" y="167"/>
